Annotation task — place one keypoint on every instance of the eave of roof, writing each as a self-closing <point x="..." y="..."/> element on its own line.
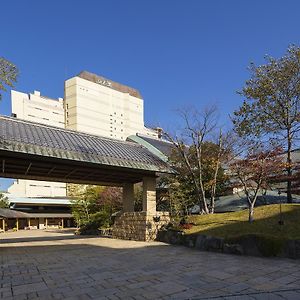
<point x="42" y="140"/>
<point x="8" y="213"/>
<point x="49" y="215"/>
<point x="139" y="140"/>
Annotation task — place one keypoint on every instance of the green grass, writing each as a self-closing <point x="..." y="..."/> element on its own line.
<point x="235" y="224"/>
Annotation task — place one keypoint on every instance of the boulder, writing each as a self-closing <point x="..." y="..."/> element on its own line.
<point x="233" y="249"/>
<point x="200" y="242"/>
<point x="190" y="240"/>
<point x="214" y="244"/>
<point x="209" y="243"/>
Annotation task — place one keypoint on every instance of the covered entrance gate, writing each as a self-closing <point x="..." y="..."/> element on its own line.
<point x="40" y="152"/>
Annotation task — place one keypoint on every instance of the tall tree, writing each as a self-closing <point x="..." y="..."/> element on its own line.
<point x="110" y="200"/>
<point x="271" y="109"/>
<point x="8" y="74"/>
<point x="85" y="202"/>
<point x="197" y="158"/>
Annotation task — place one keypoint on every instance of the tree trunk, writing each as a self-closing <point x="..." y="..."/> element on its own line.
<point x="289" y="169"/>
<point x="251" y="212"/>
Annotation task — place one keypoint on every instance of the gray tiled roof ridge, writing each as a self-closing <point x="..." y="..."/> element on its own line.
<point x="24" y="136"/>
<point x="154" y="139"/>
<point x="71" y="131"/>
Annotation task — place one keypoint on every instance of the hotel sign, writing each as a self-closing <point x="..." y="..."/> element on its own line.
<point x="104" y="82"/>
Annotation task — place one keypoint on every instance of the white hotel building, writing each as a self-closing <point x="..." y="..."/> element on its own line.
<point x="91" y="104"/>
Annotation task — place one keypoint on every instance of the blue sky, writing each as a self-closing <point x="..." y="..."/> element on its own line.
<point x="176" y="53"/>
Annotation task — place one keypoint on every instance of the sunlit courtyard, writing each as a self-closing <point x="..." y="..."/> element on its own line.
<point x="59" y="265"/>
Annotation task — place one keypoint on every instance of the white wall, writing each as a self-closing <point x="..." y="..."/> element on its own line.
<point x="34" y="188"/>
<point x="36" y="108"/>
<point x="101" y="110"/>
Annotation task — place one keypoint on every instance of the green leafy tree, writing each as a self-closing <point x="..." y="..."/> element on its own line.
<point x="271" y="109"/>
<point x="85" y="202"/>
<point x="8" y="74"/>
<point x="4" y="203"/>
<point x="91" y="203"/>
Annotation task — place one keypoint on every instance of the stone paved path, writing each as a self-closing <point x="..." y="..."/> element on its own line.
<point x="58" y="265"/>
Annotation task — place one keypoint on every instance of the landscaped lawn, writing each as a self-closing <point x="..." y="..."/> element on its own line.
<point x="228" y="225"/>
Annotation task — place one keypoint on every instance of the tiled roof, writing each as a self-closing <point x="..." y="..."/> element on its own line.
<point x="162" y="145"/>
<point x="13" y="214"/>
<point x="160" y="148"/>
<point x="9" y="213"/>
<point x="49" y="215"/>
<point x="33" y="138"/>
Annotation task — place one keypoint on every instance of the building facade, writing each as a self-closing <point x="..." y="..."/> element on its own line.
<point x="96" y="105"/>
<point x="91" y="104"/>
<point x="36" y="108"/>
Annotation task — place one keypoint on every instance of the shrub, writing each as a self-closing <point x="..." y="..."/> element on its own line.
<point x="186" y="226"/>
<point x="98" y="220"/>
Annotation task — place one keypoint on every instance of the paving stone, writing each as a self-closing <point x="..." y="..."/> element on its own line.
<point x="290" y="295"/>
<point x="238" y="287"/>
<point x="28" y="288"/>
<point x="267" y="296"/>
<point x="62" y="266"/>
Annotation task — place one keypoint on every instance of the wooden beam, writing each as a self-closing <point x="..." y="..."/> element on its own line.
<point x="70" y="173"/>
<point x="88" y="175"/>
<point x="47" y="162"/>
<point x="51" y="170"/>
<point x="28" y="168"/>
<point x="66" y="180"/>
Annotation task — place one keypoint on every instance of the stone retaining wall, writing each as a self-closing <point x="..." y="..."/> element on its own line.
<point x="139" y="226"/>
<point x="245" y="245"/>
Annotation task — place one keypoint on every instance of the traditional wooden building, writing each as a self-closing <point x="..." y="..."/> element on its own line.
<point x="16" y="220"/>
<point x="34" y="151"/>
